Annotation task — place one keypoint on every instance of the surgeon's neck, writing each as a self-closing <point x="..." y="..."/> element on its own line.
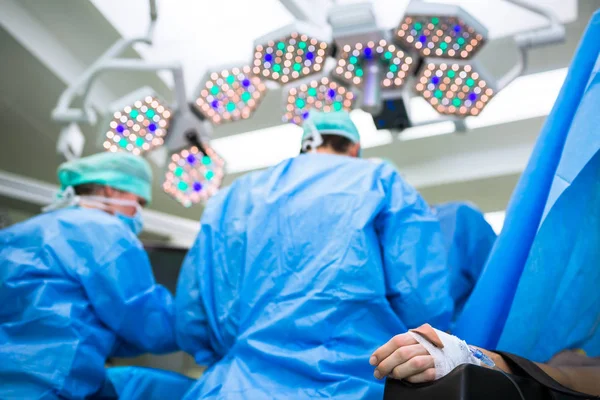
<point x="329" y="150"/>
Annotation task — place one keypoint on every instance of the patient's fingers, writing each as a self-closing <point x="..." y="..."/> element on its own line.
<point x="426" y="376"/>
<point x="392" y="345"/>
<point x="399" y="357"/>
<point x="413" y="367"/>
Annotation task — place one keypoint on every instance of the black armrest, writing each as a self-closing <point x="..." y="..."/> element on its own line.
<point x="467" y="382"/>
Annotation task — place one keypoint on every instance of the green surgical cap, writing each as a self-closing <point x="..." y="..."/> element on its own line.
<point x="331" y="123"/>
<point x="122" y="171"/>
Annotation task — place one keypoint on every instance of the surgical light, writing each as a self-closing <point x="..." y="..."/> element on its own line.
<point x="353" y="62"/>
<point x="229" y="95"/>
<point x="440" y="30"/>
<point x="322" y="94"/>
<point x="194" y="175"/>
<point x="289" y="57"/>
<point x="139" y="126"/>
<point x="454" y="88"/>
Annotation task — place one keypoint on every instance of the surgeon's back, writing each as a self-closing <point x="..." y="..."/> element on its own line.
<point x="75" y="288"/>
<point x="300" y="272"/>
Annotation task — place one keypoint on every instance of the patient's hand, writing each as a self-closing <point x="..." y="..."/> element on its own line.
<point x="403" y="358"/>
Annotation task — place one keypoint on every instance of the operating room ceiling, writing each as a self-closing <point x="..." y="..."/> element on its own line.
<point x="45" y="46"/>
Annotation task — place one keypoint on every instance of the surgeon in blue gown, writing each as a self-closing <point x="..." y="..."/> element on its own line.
<point x="76" y="286"/>
<point x="469" y="238"/>
<point x="301" y="271"/>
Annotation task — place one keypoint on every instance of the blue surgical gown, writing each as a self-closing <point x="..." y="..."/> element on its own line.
<point x="139" y="383"/>
<point x="76" y="287"/>
<point x="300" y="272"/>
<point x="469" y="239"/>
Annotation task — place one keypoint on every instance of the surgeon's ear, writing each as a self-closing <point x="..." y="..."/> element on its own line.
<point x="354" y="150"/>
<point x="109" y="192"/>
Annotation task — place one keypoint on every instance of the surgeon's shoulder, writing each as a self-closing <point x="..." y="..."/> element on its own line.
<point x="238" y="191"/>
<point x="465" y="209"/>
<point x="70" y="225"/>
<point x="93" y="223"/>
<point x="387" y="173"/>
<point x="399" y="191"/>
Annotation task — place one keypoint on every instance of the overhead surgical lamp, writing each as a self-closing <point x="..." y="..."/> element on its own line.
<point x="440" y="30"/>
<point x="186" y="131"/>
<point x="139" y="124"/>
<point x="366" y="58"/>
<point x="355" y="61"/>
<point x="229" y="94"/>
<point x="462" y="74"/>
<point x="320" y="94"/>
<point x="455" y="87"/>
<point x="194" y="174"/>
<point x="291" y="53"/>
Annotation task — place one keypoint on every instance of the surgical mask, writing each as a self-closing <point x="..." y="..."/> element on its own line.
<point x="134" y="223"/>
<point x="68" y="198"/>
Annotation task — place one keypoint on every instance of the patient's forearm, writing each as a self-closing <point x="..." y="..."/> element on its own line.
<point x="581" y="379"/>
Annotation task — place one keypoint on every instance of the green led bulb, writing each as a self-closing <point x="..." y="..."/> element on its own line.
<point x="182" y="186"/>
<point x="150" y="113"/>
<point x="337" y="106"/>
<point x="418" y="26"/>
<point x="353" y="60"/>
<point x="209" y="175"/>
<point x="206" y="160"/>
<point x="123" y="143"/>
<point x="388" y="55"/>
<point x="443" y="45"/>
<point x="460" y="41"/>
<point x="451" y="74"/>
<point x="281" y="45"/>
<point x="230" y="107"/>
<point x="438" y="93"/>
<point x="134" y="113"/>
<point x="277" y="68"/>
<point x="139" y="142"/>
<point x="470" y="82"/>
<point x="312" y="92"/>
<point x="456" y="102"/>
<point x="297" y="67"/>
<point x="394" y="68"/>
<point x="302" y="45"/>
<point x="230" y="79"/>
<point x="214" y="90"/>
<point x="300" y="103"/>
<point x="178" y="171"/>
<point x="359" y="72"/>
<point x="246" y="96"/>
<point x="435" y="20"/>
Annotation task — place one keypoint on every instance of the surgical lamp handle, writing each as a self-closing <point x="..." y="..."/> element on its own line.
<point x="372" y="88"/>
